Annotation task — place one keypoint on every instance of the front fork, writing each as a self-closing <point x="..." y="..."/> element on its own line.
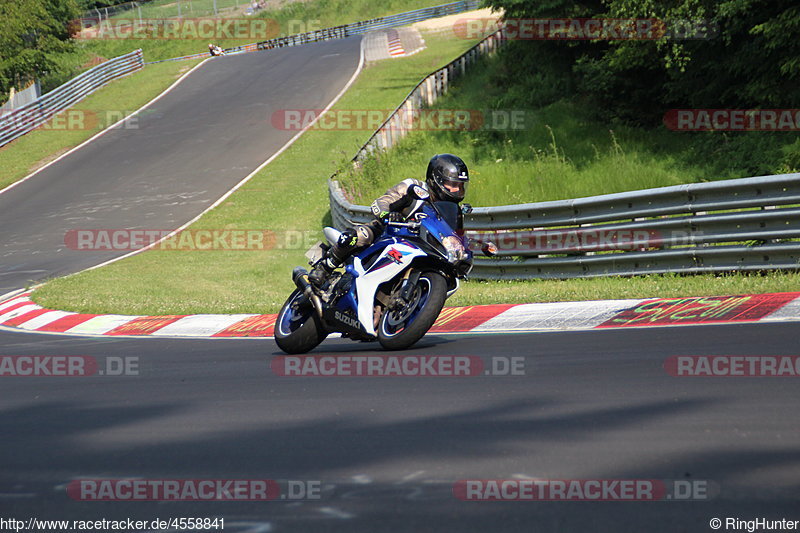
<point x="409" y="285"/>
<point x="399" y="297"/>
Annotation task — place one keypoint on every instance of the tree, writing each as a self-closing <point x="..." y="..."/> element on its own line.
<point x="750" y="56"/>
<point x="32" y="34"/>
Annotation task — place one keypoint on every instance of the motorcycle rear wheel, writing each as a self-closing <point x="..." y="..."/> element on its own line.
<point x="397" y="330"/>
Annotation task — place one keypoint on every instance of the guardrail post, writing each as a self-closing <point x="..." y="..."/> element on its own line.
<point x="383" y="143"/>
<point x="410" y="114"/>
<point x="389" y="135"/>
<point x="429" y="89"/>
<point x="394" y="131"/>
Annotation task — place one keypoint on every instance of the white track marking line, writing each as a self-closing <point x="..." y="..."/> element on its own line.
<point x="246" y="178"/>
<point x="100" y="325"/>
<point x="789" y="311"/>
<point x="101" y="133"/>
<point x="14" y="301"/>
<point x="561" y="315"/>
<point x="200" y="325"/>
<point x="336" y="513"/>
<point x="4" y="298"/>
<point x="18" y="311"/>
<point x="410" y="477"/>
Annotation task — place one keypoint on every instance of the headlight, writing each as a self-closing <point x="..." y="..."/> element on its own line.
<point x="455" y="249"/>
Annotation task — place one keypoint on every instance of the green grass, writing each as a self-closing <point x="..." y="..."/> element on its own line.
<point x="560" y="150"/>
<point x="557" y="152"/>
<point x="96" y="112"/>
<point x="560" y="157"/>
<point x="156" y="282"/>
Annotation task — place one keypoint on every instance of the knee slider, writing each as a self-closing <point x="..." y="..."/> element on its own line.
<point x="347" y="239"/>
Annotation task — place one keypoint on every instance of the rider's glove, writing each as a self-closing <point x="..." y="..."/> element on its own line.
<point x="393" y="216"/>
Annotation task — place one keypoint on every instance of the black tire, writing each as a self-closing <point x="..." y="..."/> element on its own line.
<point x="303" y="333"/>
<point x="433" y="287"/>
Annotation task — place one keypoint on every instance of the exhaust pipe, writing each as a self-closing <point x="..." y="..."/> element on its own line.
<point x="300" y="278"/>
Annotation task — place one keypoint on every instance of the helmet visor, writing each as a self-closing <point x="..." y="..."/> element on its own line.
<point x="455" y="188"/>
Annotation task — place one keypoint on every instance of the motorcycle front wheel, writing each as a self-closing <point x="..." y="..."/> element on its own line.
<point x="298" y="329"/>
<point x="400" y="328"/>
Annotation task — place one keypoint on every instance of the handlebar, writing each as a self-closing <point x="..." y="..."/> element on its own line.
<point x="412" y="225"/>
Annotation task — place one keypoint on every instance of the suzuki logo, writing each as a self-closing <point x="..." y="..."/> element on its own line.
<point x="395" y="256"/>
<point x="347" y="319"/>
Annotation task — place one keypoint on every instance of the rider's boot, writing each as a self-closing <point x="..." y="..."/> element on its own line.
<point x="333" y="258"/>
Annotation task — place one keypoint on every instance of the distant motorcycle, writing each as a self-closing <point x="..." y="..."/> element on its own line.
<point x="392" y="291"/>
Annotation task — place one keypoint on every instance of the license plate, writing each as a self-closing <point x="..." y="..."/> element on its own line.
<point x="315" y="253"/>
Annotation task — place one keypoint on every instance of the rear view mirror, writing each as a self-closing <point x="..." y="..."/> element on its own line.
<point x="418" y="193"/>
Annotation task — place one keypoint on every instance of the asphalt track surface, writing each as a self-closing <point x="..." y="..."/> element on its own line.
<point x="181" y="155"/>
<point x="386" y="451"/>
<point x="590" y="405"/>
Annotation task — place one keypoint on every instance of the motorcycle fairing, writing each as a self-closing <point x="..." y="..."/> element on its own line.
<point x="396" y="256"/>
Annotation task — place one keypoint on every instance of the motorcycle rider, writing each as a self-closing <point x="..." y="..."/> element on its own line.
<point x="446" y="179"/>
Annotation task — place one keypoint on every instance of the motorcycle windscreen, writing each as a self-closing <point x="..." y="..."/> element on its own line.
<point x="449" y="211"/>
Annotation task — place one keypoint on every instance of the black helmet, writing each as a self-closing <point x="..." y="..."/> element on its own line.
<point x="447" y="177"/>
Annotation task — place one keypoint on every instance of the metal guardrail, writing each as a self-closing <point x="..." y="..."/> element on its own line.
<point x="730" y="225"/>
<point x="365" y="26"/>
<point x="347" y="30"/>
<point x="32" y="115"/>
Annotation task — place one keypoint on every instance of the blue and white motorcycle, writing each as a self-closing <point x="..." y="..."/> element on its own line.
<point x="392" y="291"/>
